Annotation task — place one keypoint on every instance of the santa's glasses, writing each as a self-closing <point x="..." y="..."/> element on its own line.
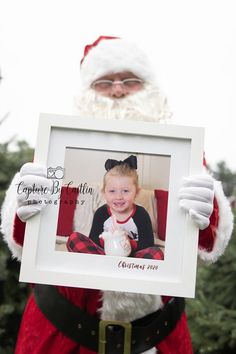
<point x="103" y="85"/>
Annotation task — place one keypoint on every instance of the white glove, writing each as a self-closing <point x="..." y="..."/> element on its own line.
<point x="196" y="197"/>
<point x="33" y="190"/>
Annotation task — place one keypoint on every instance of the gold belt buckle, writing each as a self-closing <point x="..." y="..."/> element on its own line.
<point x="102" y="335"/>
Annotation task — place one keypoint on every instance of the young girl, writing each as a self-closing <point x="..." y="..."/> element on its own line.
<point x="120" y="188"/>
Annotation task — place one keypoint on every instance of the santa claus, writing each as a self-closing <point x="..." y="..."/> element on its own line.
<point x="117" y="83"/>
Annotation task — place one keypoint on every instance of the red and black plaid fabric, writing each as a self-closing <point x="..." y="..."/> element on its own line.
<point x="80" y="243"/>
<point x="153" y="252"/>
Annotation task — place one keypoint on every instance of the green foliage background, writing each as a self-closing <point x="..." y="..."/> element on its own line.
<point x="12" y="293"/>
<point x="212" y="314"/>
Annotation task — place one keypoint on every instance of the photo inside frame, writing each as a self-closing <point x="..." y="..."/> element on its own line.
<point x="81" y="195"/>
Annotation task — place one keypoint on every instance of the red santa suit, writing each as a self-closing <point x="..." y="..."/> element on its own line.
<point x="37" y="334"/>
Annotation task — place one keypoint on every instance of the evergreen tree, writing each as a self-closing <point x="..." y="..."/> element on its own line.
<point x="12" y="293"/>
<point x="212" y="314"/>
<point x="226" y="176"/>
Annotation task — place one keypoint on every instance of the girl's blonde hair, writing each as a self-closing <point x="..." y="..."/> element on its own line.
<point x="122" y="170"/>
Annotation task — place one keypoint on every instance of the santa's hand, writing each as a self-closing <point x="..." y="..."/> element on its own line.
<point x="33" y="190"/>
<point x="196" y="197"/>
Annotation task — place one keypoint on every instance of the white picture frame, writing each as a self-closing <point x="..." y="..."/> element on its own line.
<point x="176" y="274"/>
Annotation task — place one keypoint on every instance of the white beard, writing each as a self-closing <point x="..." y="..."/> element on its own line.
<point x="123" y="306"/>
<point x="148" y="105"/>
<point x="126" y="307"/>
<point x="145" y="105"/>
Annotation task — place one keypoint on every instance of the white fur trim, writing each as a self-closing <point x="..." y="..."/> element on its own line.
<point x="8" y="213"/>
<point x="225" y="227"/>
<point x="150" y="351"/>
<point x="126" y="307"/>
<point x="113" y="56"/>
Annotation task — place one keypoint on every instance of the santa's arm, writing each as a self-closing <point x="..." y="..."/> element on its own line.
<point x="20" y="205"/>
<point x="12" y="227"/>
<point x="214" y="239"/>
<point x="203" y="199"/>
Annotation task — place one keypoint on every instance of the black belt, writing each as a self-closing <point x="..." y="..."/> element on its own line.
<point x="107" y="336"/>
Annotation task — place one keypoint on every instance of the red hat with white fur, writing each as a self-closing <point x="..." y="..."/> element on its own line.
<point x="108" y="55"/>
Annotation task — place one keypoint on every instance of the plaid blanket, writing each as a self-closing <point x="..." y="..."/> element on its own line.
<point x="80" y="243"/>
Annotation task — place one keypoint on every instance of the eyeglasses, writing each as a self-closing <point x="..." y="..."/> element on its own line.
<point x="103" y="85"/>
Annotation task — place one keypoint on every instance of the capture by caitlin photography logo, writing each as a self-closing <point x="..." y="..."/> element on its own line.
<point x="39" y="193"/>
<point x="43" y="190"/>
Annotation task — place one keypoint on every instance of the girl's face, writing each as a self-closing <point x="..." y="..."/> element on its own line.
<point x="120" y="193"/>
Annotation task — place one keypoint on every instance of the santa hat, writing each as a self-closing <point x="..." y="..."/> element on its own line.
<point x="108" y="55"/>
